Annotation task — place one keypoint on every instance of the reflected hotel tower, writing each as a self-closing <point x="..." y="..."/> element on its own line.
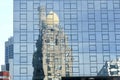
<point x="53" y="56"/>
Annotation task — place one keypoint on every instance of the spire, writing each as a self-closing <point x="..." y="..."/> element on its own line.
<point x="42" y="11"/>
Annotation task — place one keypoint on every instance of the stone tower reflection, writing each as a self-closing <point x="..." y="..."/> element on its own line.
<point x="54" y="56"/>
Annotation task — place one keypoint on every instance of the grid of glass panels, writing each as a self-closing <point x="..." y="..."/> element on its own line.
<point x="92" y="27"/>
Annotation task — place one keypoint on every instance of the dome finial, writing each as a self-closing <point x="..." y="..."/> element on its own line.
<point x="52" y="19"/>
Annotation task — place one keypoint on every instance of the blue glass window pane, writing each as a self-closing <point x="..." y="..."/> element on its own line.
<point x="92" y="37"/>
<point x="105" y="36"/>
<point x="92" y="47"/>
<point x="17" y="70"/>
<point x="104" y="15"/>
<point x="67" y="6"/>
<point x="117" y="36"/>
<point x="23" y="78"/>
<point x="105" y="27"/>
<point x="90" y="5"/>
<point x="91" y="15"/>
<point x="29" y="5"/>
<point x="73" y="5"/>
<point x="23" y="37"/>
<point x="23" y="59"/>
<point x="93" y="58"/>
<point x="49" y="5"/>
<point x="23" y="70"/>
<point x="117" y="5"/>
<point x="23" y="48"/>
<point x="117" y="27"/>
<point x="16" y="78"/>
<point x="118" y="47"/>
<point x="91" y="26"/>
<point x="103" y="5"/>
<point x="23" y="5"/>
<point x="36" y="5"/>
<point x="106" y="47"/>
<point x="117" y="15"/>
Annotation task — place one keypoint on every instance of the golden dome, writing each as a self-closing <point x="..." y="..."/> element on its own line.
<point x="52" y="19"/>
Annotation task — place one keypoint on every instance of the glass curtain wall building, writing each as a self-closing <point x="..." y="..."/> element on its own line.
<point x="92" y="27"/>
<point x="8" y="52"/>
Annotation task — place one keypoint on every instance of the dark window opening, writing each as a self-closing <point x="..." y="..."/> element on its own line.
<point x="114" y="72"/>
<point x="56" y="41"/>
<point x="52" y="29"/>
<point x="67" y="74"/>
<point x="114" y="66"/>
<point x="49" y="78"/>
<point x="49" y="68"/>
<point x="49" y="74"/>
<point x="47" y="41"/>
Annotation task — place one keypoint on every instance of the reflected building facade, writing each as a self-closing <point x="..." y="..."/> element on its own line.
<point x="57" y="56"/>
<point x="110" y="68"/>
<point x="92" y="27"/>
<point x="53" y="58"/>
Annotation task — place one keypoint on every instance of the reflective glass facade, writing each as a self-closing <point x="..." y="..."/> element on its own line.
<point x="92" y="27"/>
<point x="8" y="52"/>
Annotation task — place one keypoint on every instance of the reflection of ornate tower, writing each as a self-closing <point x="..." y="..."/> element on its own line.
<point x="57" y="56"/>
<point x="53" y="58"/>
